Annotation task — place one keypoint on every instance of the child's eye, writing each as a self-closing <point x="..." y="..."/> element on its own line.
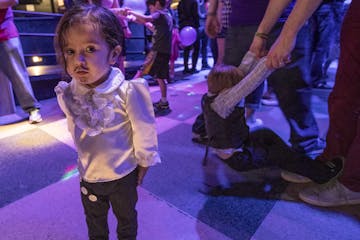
<point x="69" y="52"/>
<point x="90" y="49"/>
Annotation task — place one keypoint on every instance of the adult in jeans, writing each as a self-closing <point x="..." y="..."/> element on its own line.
<point x="12" y="62"/>
<point x="343" y="137"/>
<point x="291" y="83"/>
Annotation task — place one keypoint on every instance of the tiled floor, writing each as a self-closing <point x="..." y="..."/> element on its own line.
<point x="39" y="198"/>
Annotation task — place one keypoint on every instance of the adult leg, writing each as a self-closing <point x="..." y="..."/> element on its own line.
<point x="237" y="43"/>
<point x="343" y="136"/>
<point x="323" y="38"/>
<point x="195" y="53"/>
<point x="13" y="66"/>
<point x="291" y="86"/>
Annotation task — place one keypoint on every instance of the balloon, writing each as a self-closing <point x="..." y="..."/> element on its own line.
<point x="187" y="36"/>
<point x="138" y="6"/>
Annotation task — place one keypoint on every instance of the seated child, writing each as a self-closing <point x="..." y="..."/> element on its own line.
<point x="227" y="136"/>
<point x="241" y="150"/>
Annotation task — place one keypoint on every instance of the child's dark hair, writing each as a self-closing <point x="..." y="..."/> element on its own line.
<point x="101" y="18"/>
<point x="152" y="2"/>
<point x="222" y="77"/>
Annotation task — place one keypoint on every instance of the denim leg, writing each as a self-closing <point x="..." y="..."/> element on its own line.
<point x="237" y="43"/>
<point x="291" y="86"/>
<point x="13" y="66"/>
<point x="322" y="39"/>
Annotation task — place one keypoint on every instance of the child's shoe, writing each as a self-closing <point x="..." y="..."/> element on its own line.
<point x="161" y="108"/>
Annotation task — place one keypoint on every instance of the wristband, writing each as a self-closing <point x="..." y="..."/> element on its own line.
<point x="212" y="14"/>
<point x="262" y="35"/>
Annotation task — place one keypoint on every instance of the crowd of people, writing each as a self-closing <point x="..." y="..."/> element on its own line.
<point x="115" y="154"/>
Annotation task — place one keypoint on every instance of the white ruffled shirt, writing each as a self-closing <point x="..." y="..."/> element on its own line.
<point x="112" y="125"/>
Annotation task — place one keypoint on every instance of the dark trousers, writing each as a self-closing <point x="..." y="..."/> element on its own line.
<point x="122" y="195"/>
<point x="343" y="137"/>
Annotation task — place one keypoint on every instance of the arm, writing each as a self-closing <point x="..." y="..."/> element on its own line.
<point x="279" y="53"/>
<point x="8" y="3"/>
<point x="212" y="24"/>
<point x="141" y="18"/>
<point x="141" y="115"/>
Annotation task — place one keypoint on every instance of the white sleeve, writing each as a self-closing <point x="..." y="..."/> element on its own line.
<point x="141" y="115"/>
<point x="225" y="102"/>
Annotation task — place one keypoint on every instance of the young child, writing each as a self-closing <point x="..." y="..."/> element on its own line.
<point x="226" y="136"/>
<point x="157" y="60"/>
<point x="111" y="120"/>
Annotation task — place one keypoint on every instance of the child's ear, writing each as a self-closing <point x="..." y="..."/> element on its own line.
<point x="114" y="55"/>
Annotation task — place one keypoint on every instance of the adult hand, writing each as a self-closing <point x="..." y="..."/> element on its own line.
<point x="279" y="54"/>
<point x="258" y="47"/>
<point x="141" y="174"/>
<point x="212" y="26"/>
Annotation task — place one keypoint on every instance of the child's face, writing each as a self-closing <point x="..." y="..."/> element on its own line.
<point x="87" y="55"/>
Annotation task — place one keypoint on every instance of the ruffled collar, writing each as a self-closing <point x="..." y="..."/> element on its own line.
<point x="92" y="108"/>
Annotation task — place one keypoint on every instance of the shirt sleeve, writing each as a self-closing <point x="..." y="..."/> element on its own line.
<point x="141" y="115"/>
<point x="225" y="102"/>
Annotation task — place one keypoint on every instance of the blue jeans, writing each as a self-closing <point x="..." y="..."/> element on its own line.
<point x="291" y="86"/>
<point x="13" y="66"/>
<point x="237" y="43"/>
<point x="323" y="37"/>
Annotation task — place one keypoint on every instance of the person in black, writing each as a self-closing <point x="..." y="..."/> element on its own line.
<point x="188" y="12"/>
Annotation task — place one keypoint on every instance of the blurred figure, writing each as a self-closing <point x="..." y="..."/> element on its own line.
<point x="188" y="11"/>
<point x="13" y="64"/>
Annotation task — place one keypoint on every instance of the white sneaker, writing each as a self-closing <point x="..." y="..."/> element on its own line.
<point x="35" y="116"/>
<point x="330" y="195"/>
<point x="255" y="123"/>
<point x="293" y="177"/>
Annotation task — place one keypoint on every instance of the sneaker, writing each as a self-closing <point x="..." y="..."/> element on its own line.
<point x="161" y="108"/>
<point x="257" y="122"/>
<point x="293" y="177"/>
<point x="315" y="170"/>
<point x="330" y="195"/>
<point x="35" y="116"/>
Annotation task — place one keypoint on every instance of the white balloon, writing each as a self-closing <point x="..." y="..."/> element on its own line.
<point x="138" y="6"/>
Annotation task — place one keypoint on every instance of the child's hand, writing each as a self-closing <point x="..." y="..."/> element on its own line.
<point x="119" y="12"/>
<point x="141" y="174"/>
<point x="150" y="26"/>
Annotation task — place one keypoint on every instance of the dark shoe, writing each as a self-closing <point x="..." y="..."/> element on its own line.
<point x="322" y="86"/>
<point x="205" y="67"/>
<point x="194" y="70"/>
<point x="186" y="71"/>
<point x="318" y="171"/>
<point x="161" y="108"/>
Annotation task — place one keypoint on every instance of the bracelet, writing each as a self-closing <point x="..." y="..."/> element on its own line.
<point x="212" y="14"/>
<point x="124" y="27"/>
<point x="262" y="35"/>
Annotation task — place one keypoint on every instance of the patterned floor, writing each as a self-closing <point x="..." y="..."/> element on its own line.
<point x="40" y="199"/>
